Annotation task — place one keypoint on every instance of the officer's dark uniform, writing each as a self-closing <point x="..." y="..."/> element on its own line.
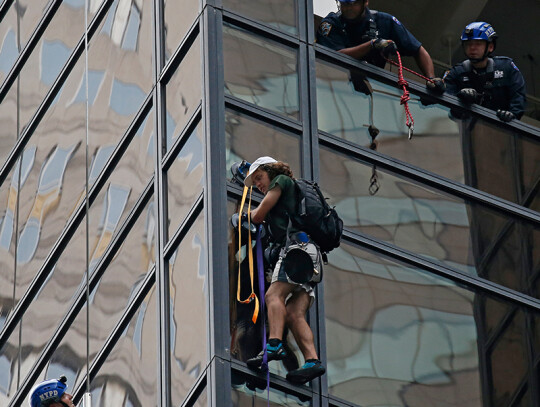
<point x="337" y="33"/>
<point x="500" y="84"/>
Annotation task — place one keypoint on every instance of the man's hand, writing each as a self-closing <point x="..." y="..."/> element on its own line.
<point x="468" y="95"/>
<point x="505" y="115"/>
<point x="386" y="47"/>
<point x="436" y="85"/>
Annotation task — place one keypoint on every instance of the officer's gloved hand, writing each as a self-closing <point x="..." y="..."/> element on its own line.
<point x="468" y="95"/>
<point x="386" y="47"/>
<point x="505" y="115"/>
<point x="436" y="85"/>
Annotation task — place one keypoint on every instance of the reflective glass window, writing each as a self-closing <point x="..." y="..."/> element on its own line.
<point x="247" y="139"/>
<point x="120" y="71"/>
<point x="471" y="151"/>
<point x="185" y="178"/>
<point x="179" y="16"/>
<point x="109" y="300"/>
<point x="189" y="311"/>
<point x="260" y="71"/>
<point x="183" y="93"/>
<point x="464" y="235"/>
<point x="251" y="391"/>
<point x="281" y="14"/>
<point x="9" y="129"/>
<point x="17" y="25"/>
<point x="397" y="335"/>
<point x="49" y="57"/>
<point x="126" y="378"/>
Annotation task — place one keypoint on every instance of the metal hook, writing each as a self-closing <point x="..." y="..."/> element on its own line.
<point x="411" y="130"/>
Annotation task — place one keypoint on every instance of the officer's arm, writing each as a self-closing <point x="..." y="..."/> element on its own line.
<point x="268" y="202"/>
<point x="517" y="98"/>
<point x="358" y="51"/>
<point x="424" y="62"/>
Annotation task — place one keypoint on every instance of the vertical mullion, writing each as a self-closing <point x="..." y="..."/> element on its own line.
<point x="160" y="199"/>
<point x="215" y="201"/>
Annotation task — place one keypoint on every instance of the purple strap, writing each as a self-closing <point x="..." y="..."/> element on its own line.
<point x="260" y="269"/>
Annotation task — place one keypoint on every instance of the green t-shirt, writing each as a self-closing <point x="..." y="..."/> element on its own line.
<point x="277" y="219"/>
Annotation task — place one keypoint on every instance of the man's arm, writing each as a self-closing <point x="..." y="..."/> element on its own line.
<point x="518" y="99"/>
<point x="269" y="201"/>
<point x="358" y="51"/>
<point x="424" y="62"/>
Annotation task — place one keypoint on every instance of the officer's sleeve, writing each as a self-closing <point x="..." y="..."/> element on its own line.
<point x="450" y="81"/>
<point x="406" y="42"/>
<point x="328" y="35"/>
<point x="518" y="99"/>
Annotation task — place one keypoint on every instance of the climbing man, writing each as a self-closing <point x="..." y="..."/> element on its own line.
<point x="373" y="36"/>
<point x="492" y="82"/>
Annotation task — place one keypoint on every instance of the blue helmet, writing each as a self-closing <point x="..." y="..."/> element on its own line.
<point x="48" y="392"/>
<point x="479" y="31"/>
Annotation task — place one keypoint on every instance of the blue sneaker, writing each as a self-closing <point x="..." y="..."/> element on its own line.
<point x="273" y="353"/>
<point x="312" y="369"/>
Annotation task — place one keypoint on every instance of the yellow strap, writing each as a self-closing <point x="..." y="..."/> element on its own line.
<point x="252" y="296"/>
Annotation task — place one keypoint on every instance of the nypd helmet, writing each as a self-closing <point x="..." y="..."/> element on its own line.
<point x="479" y="31"/>
<point x="48" y="392"/>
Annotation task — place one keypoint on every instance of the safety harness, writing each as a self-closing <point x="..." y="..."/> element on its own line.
<point x="252" y="296"/>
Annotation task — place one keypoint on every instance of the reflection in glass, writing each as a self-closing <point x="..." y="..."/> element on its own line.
<point x="472" y="151"/>
<point x="22" y="17"/>
<point x="183" y="93"/>
<point x="464" y="235"/>
<point x="127" y="378"/>
<point x="9" y="364"/>
<point x="9" y="130"/>
<point x="247" y="138"/>
<point x="250" y="391"/>
<point x="47" y="197"/>
<point x="261" y="72"/>
<point x="178" y="16"/>
<point x="189" y="311"/>
<point x="185" y="179"/>
<point x="281" y="14"/>
<point x="109" y="300"/>
<point x="49" y="56"/>
<point x="399" y="336"/>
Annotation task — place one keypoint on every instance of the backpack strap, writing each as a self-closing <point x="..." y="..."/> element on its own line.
<point x="252" y="296"/>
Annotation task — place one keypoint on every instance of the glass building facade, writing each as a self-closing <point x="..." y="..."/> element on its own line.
<point x="119" y="122"/>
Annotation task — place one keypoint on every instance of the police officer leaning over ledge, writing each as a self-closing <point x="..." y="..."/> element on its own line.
<point x="51" y="393"/>
<point x="492" y="82"/>
<point x="373" y="36"/>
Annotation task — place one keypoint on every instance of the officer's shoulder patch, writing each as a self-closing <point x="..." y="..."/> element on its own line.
<point x="325" y="28"/>
<point x="514" y="66"/>
<point x="446" y="74"/>
<point x="396" y="20"/>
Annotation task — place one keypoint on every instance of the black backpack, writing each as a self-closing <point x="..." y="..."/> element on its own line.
<point x="315" y="217"/>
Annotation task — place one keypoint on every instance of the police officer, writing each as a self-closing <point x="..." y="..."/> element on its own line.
<point x="373" y="36"/>
<point x="495" y="83"/>
<point x="51" y="393"/>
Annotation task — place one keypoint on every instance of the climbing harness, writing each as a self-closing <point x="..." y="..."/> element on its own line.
<point x="252" y="296"/>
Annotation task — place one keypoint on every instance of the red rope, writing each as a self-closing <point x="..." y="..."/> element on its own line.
<point x="409" y="70"/>
<point x="405" y="97"/>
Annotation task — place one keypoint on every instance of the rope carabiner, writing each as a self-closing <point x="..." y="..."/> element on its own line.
<point x="406" y="95"/>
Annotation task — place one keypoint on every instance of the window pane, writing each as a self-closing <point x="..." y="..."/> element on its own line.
<point x="24" y="22"/>
<point x="260" y="71"/>
<point x="251" y="391"/>
<point x="108" y="301"/>
<point x="464" y="235"/>
<point x="247" y="139"/>
<point x="471" y="151"/>
<point x="120" y="72"/>
<point x="9" y="130"/>
<point x="179" y="16"/>
<point x="183" y="93"/>
<point x="281" y="14"/>
<point x="189" y="311"/>
<point x="185" y="179"/>
<point x="128" y="376"/>
<point x="397" y="335"/>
